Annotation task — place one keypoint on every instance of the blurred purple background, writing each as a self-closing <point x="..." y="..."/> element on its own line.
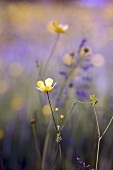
<point x="24" y="43"/>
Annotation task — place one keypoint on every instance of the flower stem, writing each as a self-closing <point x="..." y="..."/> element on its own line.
<point x="98" y="128"/>
<point x="52" y="112"/>
<point x="52" y="51"/>
<point x="98" y="149"/>
<point x="100" y="136"/>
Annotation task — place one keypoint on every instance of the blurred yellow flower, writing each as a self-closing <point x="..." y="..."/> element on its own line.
<point x="47" y="87"/>
<point x="55" y="26"/>
<point x="94" y="100"/>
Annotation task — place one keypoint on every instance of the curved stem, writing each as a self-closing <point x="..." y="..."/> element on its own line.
<point x="52" y="112"/>
<point x="107" y="127"/>
<point x="49" y="59"/>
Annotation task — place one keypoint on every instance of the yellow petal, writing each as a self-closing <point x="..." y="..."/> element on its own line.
<point x="49" y="82"/>
<point x="40" y="84"/>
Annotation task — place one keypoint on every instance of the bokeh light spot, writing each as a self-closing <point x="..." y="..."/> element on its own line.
<point x="2" y="134"/>
<point x="3" y="87"/>
<point x="46" y="110"/>
<point x="15" y="69"/>
<point x="17" y="103"/>
<point x="97" y="60"/>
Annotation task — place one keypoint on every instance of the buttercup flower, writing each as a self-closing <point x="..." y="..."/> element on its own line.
<point x="47" y="87"/>
<point x="55" y="26"/>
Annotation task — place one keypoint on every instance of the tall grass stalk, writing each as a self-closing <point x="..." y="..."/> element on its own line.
<point x="100" y="136"/>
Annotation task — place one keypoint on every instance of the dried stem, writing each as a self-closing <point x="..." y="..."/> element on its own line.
<point x="100" y="136"/>
<point x="98" y="149"/>
<point x="98" y="128"/>
<point x="107" y="127"/>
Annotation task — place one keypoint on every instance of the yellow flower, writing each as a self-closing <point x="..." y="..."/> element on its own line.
<point x="94" y="100"/>
<point x="47" y="87"/>
<point x="55" y="26"/>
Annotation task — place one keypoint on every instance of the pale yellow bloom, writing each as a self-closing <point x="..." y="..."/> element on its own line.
<point x="47" y="87"/>
<point x="55" y="26"/>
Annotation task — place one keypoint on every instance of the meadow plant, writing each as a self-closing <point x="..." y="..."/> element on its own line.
<point x="61" y="120"/>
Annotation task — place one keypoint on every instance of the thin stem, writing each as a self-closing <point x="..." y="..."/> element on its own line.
<point x="98" y="128"/>
<point x="107" y="127"/>
<point x="60" y="152"/>
<point x="52" y="112"/>
<point x="98" y="149"/>
<point x="99" y="135"/>
<point x="71" y="112"/>
<point x="52" y="51"/>
<point x="36" y="142"/>
<point x="99" y="138"/>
